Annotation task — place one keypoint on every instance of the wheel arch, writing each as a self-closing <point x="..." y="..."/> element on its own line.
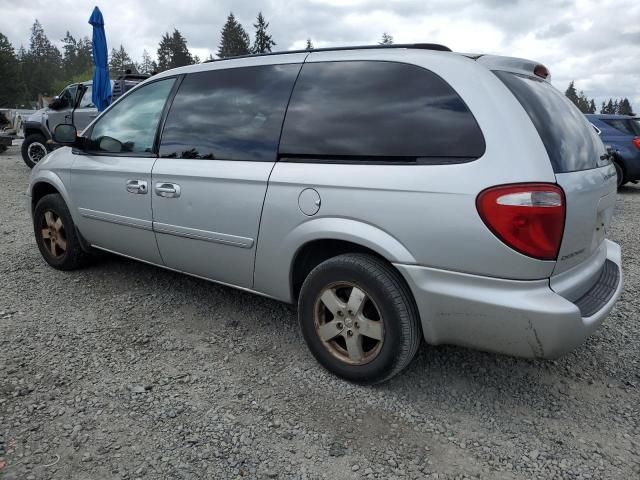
<point x="324" y="238"/>
<point x="31" y="128"/>
<point x="45" y="183"/>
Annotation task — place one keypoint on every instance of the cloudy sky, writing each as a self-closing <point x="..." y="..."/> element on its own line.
<point x="596" y="43"/>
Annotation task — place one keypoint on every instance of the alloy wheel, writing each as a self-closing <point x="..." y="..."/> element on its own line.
<point x="36" y="151"/>
<point x="349" y="323"/>
<point x="53" y="234"/>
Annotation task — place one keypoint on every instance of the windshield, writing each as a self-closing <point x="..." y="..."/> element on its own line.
<point x="569" y="138"/>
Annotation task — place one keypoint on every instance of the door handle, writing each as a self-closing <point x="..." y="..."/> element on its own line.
<point x="137" y="186"/>
<point x="168" y="190"/>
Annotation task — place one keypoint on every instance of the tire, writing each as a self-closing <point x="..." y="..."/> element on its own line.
<point x="620" y="174"/>
<point x="34" y="148"/>
<point x="384" y="333"/>
<point x="52" y="224"/>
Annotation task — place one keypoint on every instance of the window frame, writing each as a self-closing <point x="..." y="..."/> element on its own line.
<point x="156" y="140"/>
<point x="82" y="91"/>
<point x="72" y="96"/>
<point x="381" y="159"/>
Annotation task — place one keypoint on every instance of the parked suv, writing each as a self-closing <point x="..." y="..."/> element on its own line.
<point x="393" y="193"/>
<point x="622" y="134"/>
<point x="73" y="106"/>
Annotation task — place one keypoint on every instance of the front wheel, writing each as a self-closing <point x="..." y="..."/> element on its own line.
<point x="359" y="318"/>
<point x="56" y="235"/>
<point x="34" y="148"/>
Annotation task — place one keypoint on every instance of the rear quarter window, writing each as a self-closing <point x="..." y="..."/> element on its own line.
<point x="378" y="112"/>
<point x="571" y="142"/>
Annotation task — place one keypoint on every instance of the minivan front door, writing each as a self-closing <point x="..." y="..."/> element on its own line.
<point x="218" y="148"/>
<point x="111" y="179"/>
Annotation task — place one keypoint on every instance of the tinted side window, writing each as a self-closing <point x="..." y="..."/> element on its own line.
<point x="131" y="124"/>
<point x="378" y="111"/>
<point x="233" y="114"/>
<point x="571" y="143"/>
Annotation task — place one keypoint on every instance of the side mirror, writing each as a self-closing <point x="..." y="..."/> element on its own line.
<point x="65" y="134"/>
<point x="111" y="145"/>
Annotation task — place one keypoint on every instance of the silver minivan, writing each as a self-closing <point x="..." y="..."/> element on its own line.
<point x="394" y="193"/>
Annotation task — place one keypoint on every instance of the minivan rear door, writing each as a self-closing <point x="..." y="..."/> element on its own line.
<point x="581" y="165"/>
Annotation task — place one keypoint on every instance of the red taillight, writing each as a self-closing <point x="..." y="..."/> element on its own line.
<point x="636" y="142"/>
<point x="527" y="217"/>
<point x="541" y="71"/>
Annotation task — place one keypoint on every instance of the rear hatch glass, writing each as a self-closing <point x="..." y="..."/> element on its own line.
<point x="581" y="167"/>
<point x="627" y="127"/>
<point x="572" y="144"/>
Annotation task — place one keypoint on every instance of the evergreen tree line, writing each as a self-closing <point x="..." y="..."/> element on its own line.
<point x="44" y="69"/>
<point x="620" y="106"/>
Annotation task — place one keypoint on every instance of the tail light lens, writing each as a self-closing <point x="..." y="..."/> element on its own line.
<point x="636" y="142"/>
<point x="527" y="217"/>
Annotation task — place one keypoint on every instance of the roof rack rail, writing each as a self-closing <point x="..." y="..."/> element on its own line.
<point x="420" y="46"/>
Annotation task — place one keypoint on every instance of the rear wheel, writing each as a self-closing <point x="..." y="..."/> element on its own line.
<point x="34" y="148"/>
<point x="56" y="235"/>
<point x="358" y="318"/>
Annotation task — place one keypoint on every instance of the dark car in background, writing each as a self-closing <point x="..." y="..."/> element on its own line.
<point x="622" y="134"/>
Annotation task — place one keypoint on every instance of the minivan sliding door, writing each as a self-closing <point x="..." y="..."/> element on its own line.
<point x="218" y="147"/>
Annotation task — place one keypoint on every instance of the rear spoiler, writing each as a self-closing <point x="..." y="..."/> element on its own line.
<point x="513" y="64"/>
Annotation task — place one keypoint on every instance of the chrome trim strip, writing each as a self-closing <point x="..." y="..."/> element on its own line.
<point x="205" y="235"/>
<point x="117" y="219"/>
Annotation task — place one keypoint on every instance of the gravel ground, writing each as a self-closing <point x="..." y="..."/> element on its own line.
<point x="128" y="371"/>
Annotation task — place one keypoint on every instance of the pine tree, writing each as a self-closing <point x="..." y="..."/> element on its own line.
<point x="182" y="56"/>
<point x="69" y="48"/>
<point x="583" y="102"/>
<point x="572" y="94"/>
<point x="9" y="74"/>
<point x="195" y="60"/>
<point x="610" y="108"/>
<point x="84" y="56"/>
<point x="41" y="65"/>
<point x="234" y="39"/>
<point x="616" y="107"/>
<point x="120" y="62"/>
<point x="386" y="39"/>
<point x="309" y="44"/>
<point x="210" y="58"/>
<point x="147" y="66"/>
<point x="263" y="41"/>
<point x="592" y="106"/>
<point x="624" y="107"/>
<point x="173" y="51"/>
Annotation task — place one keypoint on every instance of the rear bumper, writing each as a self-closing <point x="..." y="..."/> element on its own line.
<point x="521" y="318"/>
